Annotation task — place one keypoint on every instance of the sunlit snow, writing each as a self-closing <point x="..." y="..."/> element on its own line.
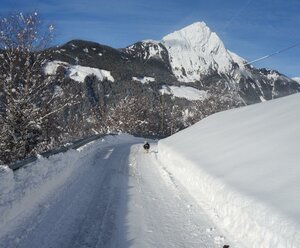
<point x="244" y="164"/>
<point x="239" y="167"/>
<point x="144" y="80"/>
<point x="186" y="92"/>
<point x="78" y="72"/>
<point x="195" y="49"/>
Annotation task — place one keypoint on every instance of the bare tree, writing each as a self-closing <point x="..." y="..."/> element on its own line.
<point x="29" y="99"/>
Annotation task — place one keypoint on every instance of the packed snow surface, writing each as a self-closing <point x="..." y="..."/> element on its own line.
<point x="244" y="165"/>
<point x="232" y="178"/>
<point x="78" y="72"/>
<point x="186" y="92"/>
<point x="109" y="193"/>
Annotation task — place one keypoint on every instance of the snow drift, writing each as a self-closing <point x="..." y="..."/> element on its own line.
<point x="244" y="165"/>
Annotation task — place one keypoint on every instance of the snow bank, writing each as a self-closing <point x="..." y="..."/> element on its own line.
<point x="26" y="187"/>
<point x="244" y="165"/>
<point x="189" y="93"/>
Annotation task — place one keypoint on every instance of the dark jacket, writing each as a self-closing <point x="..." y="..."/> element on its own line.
<point x="146" y="146"/>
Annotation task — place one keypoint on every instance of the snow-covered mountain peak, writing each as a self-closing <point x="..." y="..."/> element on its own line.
<point x="147" y="49"/>
<point x="195" y="50"/>
<point x="194" y="34"/>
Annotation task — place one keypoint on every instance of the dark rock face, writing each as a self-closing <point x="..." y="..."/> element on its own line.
<point x="150" y="59"/>
<point x="122" y="63"/>
<point x="267" y="84"/>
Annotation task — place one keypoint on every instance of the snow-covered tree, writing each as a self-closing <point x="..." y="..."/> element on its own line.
<point x="29" y="100"/>
<point x="170" y="118"/>
<point x="219" y="99"/>
<point x="135" y="115"/>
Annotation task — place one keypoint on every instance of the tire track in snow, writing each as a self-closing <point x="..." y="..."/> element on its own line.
<point x="82" y="212"/>
<point x="165" y="214"/>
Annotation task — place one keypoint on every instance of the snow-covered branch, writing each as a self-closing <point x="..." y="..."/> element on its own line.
<point x="29" y="103"/>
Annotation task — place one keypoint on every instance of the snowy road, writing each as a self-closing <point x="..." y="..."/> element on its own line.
<point x="122" y="198"/>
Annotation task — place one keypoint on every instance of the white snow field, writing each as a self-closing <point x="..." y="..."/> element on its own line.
<point x="231" y="179"/>
<point x="189" y="93"/>
<point x="107" y="194"/>
<point x="77" y="72"/>
<point x="244" y="166"/>
<point x="195" y="50"/>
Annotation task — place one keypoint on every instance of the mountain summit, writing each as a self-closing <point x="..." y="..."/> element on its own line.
<point x="196" y="51"/>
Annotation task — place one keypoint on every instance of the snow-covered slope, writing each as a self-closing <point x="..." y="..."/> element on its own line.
<point x="146" y="49"/>
<point x="195" y="50"/>
<point x="189" y="93"/>
<point x="144" y="80"/>
<point x="77" y="72"/>
<point x="297" y="79"/>
<point x="244" y="165"/>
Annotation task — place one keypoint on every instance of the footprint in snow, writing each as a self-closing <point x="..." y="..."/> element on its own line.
<point x="219" y="240"/>
<point x="211" y="229"/>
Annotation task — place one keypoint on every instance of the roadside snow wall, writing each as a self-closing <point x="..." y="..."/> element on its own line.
<point x="243" y="166"/>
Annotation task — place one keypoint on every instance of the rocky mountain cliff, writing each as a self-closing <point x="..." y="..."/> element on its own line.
<point x="189" y="70"/>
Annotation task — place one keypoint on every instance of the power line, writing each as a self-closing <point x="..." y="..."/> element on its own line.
<point x="272" y="54"/>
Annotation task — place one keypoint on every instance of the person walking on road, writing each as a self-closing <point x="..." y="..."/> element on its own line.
<point x="146" y="146"/>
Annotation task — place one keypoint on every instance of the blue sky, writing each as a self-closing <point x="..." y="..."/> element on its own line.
<point x="250" y="28"/>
